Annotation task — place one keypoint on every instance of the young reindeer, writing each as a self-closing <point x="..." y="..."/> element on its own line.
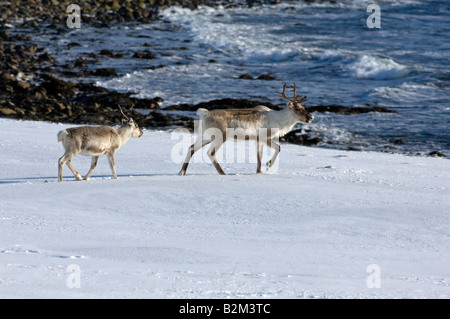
<point x="95" y="141"/>
<point x="260" y="123"/>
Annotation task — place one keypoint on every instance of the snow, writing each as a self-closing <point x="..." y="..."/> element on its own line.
<point x="325" y="224"/>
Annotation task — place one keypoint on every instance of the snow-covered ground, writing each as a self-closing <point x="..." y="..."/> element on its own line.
<point x="326" y="224"/>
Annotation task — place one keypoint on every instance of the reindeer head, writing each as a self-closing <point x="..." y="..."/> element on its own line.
<point x="126" y="121"/>
<point x="295" y="105"/>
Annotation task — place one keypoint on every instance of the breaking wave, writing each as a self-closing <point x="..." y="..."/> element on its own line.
<point x="378" y="68"/>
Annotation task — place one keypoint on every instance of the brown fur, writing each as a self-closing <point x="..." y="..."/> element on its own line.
<point x="94" y="141"/>
<point x="249" y="123"/>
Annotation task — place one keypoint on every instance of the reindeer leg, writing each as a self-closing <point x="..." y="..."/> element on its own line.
<point x="61" y="163"/>
<point x="65" y="159"/>
<point x="259" y="149"/>
<point x="192" y="149"/>
<point x="93" y="165"/>
<point x="271" y="143"/>
<point x="112" y="164"/>
<point x="217" y="143"/>
<point x="74" y="171"/>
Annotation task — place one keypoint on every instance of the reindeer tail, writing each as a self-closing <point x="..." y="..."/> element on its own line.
<point x="61" y="135"/>
<point x="201" y="112"/>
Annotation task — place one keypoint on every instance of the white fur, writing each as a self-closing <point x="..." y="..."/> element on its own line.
<point x="94" y="141"/>
<point x="251" y="123"/>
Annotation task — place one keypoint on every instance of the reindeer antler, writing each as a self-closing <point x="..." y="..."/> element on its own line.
<point x="283" y="94"/>
<point x="297" y="96"/>
<point x="121" y="111"/>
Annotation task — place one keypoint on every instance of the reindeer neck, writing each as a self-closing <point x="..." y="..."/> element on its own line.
<point x="285" y="120"/>
<point x="124" y="133"/>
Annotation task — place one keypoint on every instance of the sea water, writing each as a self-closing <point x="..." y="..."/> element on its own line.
<point x="328" y="49"/>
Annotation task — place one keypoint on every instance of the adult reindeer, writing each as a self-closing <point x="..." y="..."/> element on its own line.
<point x="95" y="141"/>
<point x="260" y="123"/>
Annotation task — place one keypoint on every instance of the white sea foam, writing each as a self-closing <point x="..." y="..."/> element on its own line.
<point x="248" y="42"/>
<point x="365" y="3"/>
<point x="408" y="92"/>
<point x="317" y="46"/>
<point x="378" y="68"/>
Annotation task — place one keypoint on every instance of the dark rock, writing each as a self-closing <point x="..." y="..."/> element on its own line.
<point x="300" y="138"/>
<point x="266" y="77"/>
<point x="105" y="72"/>
<point x="73" y="44"/>
<point x="23" y="85"/>
<point x="45" y="57"/>
<point x="106" y="52"/>
<point x="436" y="154"/>
<point x="246" y="77"/>
<point x="54" y="86"/>
<point x="80" y="63"/>
<point x="146" y="103"/>
<point x="347" y="110"/>
<point x="146" y="54"/>
<point x="7" y="111"/>
<point x="157" y="67"/>
<point x="111" y="54"/>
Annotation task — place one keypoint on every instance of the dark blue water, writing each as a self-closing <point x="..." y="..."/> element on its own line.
<point x="326" y="49"/>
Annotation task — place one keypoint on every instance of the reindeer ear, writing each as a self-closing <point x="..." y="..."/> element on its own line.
<point x="124" y="121"/>
<point x="130" y="121"/>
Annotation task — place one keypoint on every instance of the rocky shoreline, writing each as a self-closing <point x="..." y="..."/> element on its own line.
<point x="31" y="87"/>
<point x="97" y="13"/>
<point x="30" y="84"/>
